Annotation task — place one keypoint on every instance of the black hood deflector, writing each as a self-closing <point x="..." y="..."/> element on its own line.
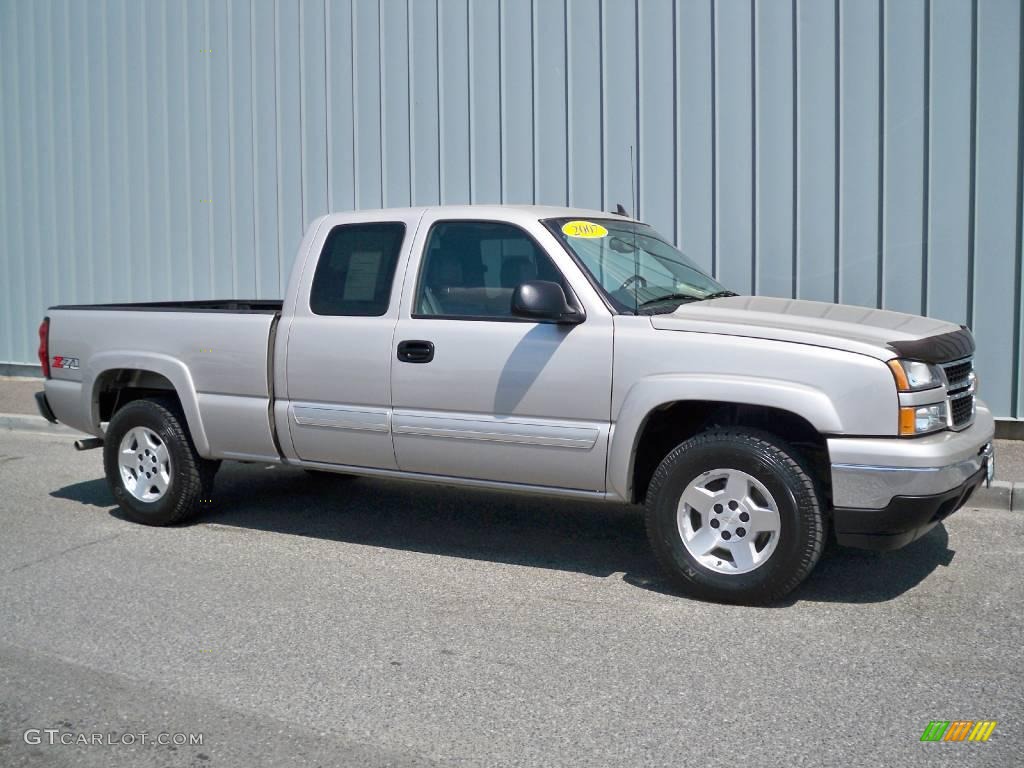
<point x="944" y="348"/>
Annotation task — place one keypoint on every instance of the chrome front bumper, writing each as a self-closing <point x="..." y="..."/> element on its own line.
<point x="868" y="473"/>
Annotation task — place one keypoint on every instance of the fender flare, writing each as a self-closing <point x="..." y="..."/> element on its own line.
<point x="172" y="369"/>
<point x="649" y="394"/>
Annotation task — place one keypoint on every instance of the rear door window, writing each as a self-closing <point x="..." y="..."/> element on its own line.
<point x="356" y="269"/>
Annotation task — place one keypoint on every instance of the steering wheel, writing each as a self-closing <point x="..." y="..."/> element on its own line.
<point x="640" y="280"/>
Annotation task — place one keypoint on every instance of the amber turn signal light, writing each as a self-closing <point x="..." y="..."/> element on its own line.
<point x="902" y="384"/>
<point x="907" y="421"/>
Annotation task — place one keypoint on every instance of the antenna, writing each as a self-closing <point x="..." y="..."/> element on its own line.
<point x="636" y="256"/>
<point x="632" y="179"/>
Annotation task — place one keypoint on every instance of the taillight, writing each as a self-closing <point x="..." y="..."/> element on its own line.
<point x="44" y="346"/>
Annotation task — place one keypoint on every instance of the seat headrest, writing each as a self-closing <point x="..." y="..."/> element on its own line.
<point x="516" y="271"/>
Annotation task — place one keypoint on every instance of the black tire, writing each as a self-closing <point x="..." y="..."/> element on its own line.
<point x="781" y="470"/>
<point x="191" y="475"/>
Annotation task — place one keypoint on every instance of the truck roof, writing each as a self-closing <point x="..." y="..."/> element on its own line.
<point x="507" y="212"/>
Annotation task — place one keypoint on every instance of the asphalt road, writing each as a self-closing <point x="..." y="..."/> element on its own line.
<point x="367" y="623"/>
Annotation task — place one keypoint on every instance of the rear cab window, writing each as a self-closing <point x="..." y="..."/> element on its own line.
<point x="356" y="269"/>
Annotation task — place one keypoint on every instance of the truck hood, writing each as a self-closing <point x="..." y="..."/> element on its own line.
<point x="879" y="333"/>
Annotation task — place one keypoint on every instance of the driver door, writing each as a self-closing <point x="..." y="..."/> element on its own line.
<point x="480" y="393"/>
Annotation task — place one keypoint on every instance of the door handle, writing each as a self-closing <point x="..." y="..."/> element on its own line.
<point x="415" y="351"/>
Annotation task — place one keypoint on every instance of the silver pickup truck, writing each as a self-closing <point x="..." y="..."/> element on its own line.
<point x="547" y="350"/>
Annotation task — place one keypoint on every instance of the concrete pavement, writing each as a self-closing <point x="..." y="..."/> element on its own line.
<point x="373" y="623"/>
<point x="17" y="394"/>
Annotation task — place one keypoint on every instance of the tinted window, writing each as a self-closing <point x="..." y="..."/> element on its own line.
<point x="356" y="269"/>
<point x="470" y="269"/>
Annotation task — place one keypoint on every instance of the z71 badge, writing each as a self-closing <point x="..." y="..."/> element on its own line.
<point x="65" y="362"/>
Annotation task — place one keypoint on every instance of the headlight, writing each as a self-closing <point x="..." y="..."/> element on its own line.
<point x="912" y="375"/>
<point x="920" y="419"/>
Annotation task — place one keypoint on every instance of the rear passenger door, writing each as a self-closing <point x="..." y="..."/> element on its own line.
<point x="339" y="341"/>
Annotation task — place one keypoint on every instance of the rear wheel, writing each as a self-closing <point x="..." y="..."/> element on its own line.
<point x="733" y="515"/>
<point x="151" y="464"/>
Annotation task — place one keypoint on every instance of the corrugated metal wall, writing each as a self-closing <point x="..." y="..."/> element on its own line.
<point x="852" y="150"/>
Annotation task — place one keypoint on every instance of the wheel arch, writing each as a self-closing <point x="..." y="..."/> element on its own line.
<point x="659" y="414"/>
<point x="119" y="379"/>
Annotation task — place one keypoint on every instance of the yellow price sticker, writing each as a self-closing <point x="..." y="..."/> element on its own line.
<point x="583" y="229"/>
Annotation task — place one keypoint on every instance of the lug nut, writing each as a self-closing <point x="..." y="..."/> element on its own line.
<point x="744" y="516"/>
<point x="718" y="509"/>
<point x="726" y="535"/>
<point x="715" y="523"/>
<point x="741" y="532"/>
<point x="733" y="505"/>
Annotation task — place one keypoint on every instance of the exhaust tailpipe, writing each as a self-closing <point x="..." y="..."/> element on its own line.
<point x="88" y="443"/>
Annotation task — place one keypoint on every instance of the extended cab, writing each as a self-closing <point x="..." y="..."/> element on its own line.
<point x="547" y="350"/>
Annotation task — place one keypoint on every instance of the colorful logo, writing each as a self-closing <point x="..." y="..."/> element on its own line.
<point x="958" y="730"/>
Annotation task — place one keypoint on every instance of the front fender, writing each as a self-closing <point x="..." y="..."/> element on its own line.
<point x="649" y="394"/>
<point x="171" y="368"/>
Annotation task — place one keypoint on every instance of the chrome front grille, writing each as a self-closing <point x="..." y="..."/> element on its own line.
<point x="960" y="390"/>
<point x="958" y="374"/>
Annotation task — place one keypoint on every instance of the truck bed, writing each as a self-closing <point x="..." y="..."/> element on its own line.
<point x="216" y="354"/>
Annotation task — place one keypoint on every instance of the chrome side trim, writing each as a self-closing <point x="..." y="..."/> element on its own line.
<point x="873" y="468"/>
<point x="342" y="417"/>
<point x="532" y="432"/>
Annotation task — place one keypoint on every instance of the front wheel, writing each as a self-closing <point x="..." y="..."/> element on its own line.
<point x="733" y="515"/>
<point x="151" y="464"/>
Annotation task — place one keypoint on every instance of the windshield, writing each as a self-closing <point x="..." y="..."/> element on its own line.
<point x="637" y="269"/>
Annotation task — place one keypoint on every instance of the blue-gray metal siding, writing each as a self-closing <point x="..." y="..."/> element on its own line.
<point x="851" y="150"/>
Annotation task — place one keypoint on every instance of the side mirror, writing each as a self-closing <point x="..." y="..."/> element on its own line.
<point x="544" y="301"/>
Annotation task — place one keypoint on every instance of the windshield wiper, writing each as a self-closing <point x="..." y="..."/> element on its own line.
<point x="669" y="297"/>
<point x="718" y="295"/>
<point x="687" y="297"/>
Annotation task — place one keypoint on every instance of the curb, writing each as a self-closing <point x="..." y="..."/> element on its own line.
<point x="1002" y="495"/>
<point x="25" y="423"/>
